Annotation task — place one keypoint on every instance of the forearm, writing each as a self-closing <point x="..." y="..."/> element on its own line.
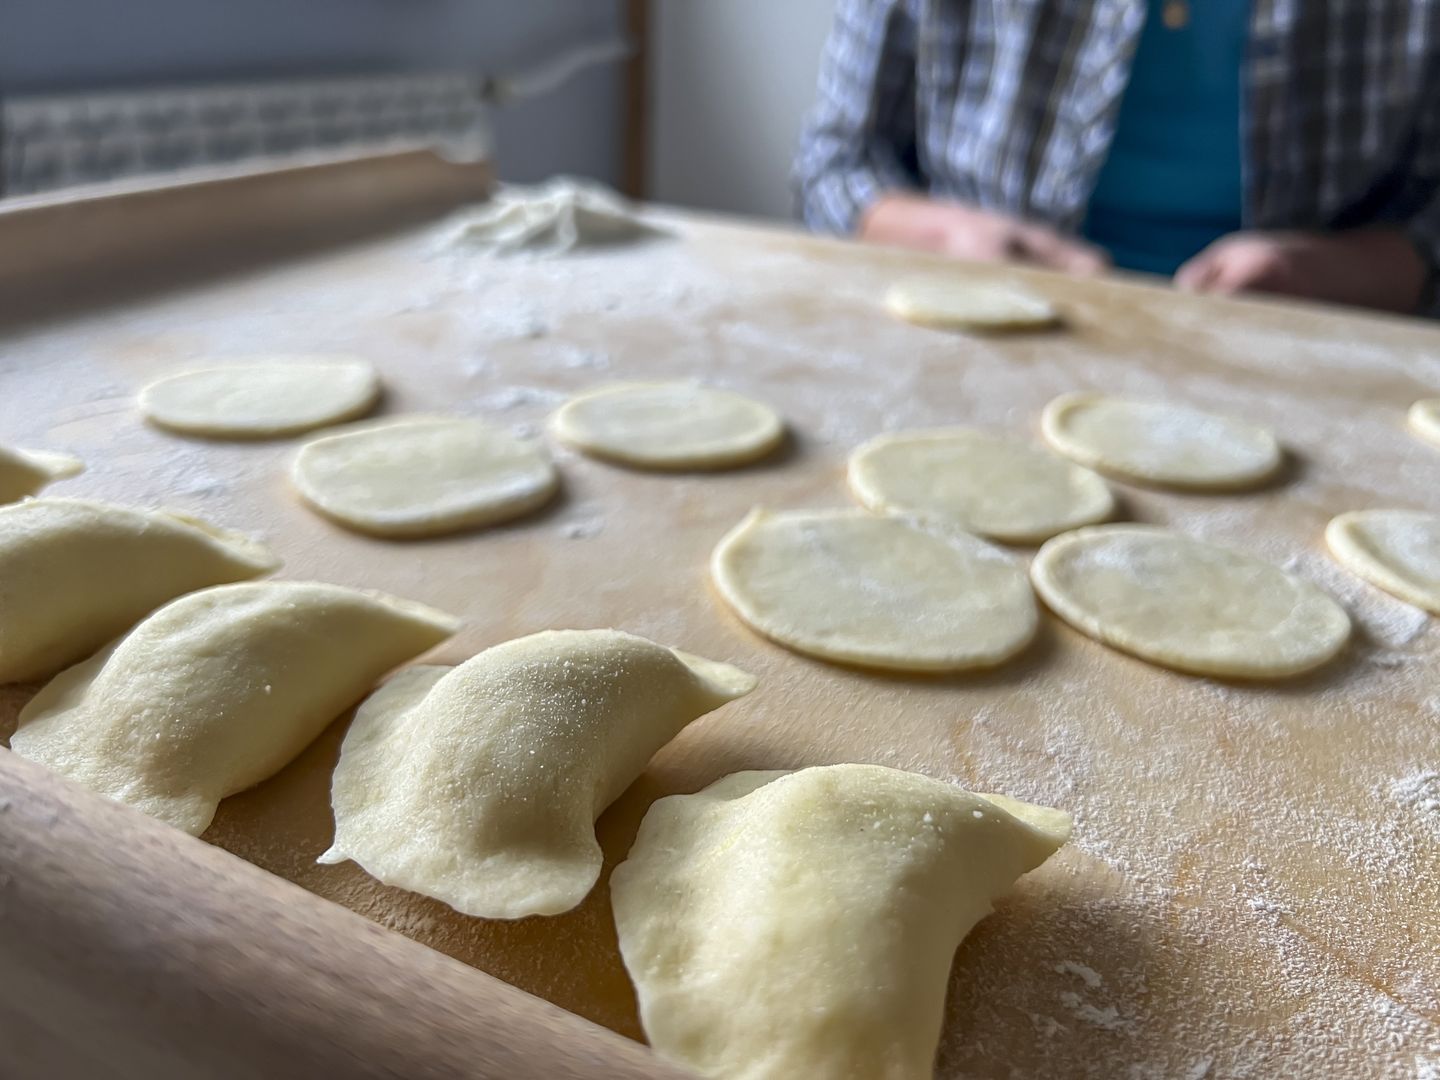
<point x="841" y="180"/>
<point x="1423" y="232"/>
<point x="902" y="219"/>
<point x="923" y="223"/>
<point x="1379" y="268"/>
<point x="858" y="140"/>
<point x="837" y="200"/>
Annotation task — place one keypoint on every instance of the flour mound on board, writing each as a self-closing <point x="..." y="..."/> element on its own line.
<point x="551" y="219"/>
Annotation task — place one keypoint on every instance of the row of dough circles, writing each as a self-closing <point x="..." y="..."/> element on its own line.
<point x="427" y="476"/>
<point x="913" y="587"/>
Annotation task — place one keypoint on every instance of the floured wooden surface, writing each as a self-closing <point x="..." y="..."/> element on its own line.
<point x="1254" y="884"/>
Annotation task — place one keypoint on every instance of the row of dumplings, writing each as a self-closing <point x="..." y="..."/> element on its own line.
<point x="783" y="897"/>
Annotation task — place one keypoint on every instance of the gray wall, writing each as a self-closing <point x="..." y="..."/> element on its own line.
<point x="56" y="45"/>
<point x="732" y="81"/>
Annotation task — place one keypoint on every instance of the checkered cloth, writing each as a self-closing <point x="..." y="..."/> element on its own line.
<point x="1012" y="104"/>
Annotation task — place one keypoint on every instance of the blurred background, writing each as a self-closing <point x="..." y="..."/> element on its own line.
<point x="702" y="110"/>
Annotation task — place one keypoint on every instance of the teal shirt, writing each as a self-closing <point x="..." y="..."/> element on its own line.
<point x="1172" y="181"/>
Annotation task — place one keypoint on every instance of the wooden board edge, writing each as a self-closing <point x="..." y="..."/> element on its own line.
<point x="132" y="950"/>
<point x="94" y="244"/>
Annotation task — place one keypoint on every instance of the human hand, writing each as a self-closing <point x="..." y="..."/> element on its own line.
<point x="965" y="232"/>
<point x="1374" y="268"/>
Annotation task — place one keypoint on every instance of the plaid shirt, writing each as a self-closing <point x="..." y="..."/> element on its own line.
<point x="1012" y="105"/>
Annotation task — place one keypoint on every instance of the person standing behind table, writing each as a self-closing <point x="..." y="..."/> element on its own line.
<point x="1282" y="146"/>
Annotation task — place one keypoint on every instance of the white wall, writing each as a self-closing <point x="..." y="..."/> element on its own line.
<point x="56" y="45"/>
<point x="731" y="82"/>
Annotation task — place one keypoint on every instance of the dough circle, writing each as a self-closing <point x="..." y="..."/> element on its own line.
<point x="422" y="476"/>
<point x="1424" y="418"/>
<point x="966" y="305"/>
<point x="669" y="426"/>
<point x="1394" y="550"/>
<point x="262" y="399"/>
<point x="1186" y="604"/>
<point x="1167" y="445"/>
<point x="995" y="487"/>
<point x="879" y="592"/>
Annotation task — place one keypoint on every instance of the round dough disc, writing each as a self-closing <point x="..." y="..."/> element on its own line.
<point x="968" y="305"/>
<point x="1186" y="604"/>
<point x="669" y="426"/>
<point x="998" y="488"/>
<point x="1394" y="550"/>
<point x="1424" y="420"/>
<point x="879" y="592"/>
<point x="1168" y="445"/>
<point x="263" y="399"/>
<point x="422" y="476"/>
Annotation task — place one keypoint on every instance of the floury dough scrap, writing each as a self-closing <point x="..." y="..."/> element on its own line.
<point x="882" y="592"/>
<point x="957" y="304"/>
<point x="1188" y="605"/>
<point x="479" y="785"/>
<point x="784" y="925"/>
<point x="669" y="426"/>
<point x="423" y="476"/>
<point x="262" y="399"/>
<point x="1163" y="444"/>
<point x="549" y="220"/>
<point x="998" y="488"/>
<point x="1394" y="550"/>
<point x="25" y="472"/>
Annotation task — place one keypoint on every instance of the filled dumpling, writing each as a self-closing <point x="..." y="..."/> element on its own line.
<point x="479" y="785"/>
<point x="24" y="472"/>
<point x="75" y="574"/>
<point x="779" y="925"/>
<point x="219" y="690"/>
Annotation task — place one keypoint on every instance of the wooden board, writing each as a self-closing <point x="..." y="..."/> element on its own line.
<point x="1252" y="888"/>
<point x="130" y="950"/>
